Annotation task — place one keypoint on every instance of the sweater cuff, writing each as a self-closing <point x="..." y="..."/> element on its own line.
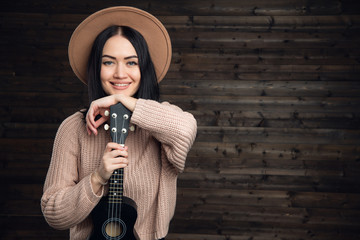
<point x="138" y="111"/>
<point x="92" y="196"/>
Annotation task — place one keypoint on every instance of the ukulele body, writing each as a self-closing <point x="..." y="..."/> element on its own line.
<point x="124" y="224"/>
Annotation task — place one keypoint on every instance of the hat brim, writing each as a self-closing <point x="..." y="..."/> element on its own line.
<point x="153" y="31"/>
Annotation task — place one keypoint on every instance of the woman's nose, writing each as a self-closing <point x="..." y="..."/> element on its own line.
<point x="120" y="71"/>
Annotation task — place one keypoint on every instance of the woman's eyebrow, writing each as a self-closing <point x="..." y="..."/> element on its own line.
<point x="134" y="56"/>
<point x="109" y="56"/>
<point x="126" y="58"/>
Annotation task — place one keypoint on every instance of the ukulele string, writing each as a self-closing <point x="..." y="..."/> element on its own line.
<point x="114" y="205"/>
<point x="121" y="175"/>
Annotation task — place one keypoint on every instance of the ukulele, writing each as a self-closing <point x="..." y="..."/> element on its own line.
<point x="115" y="215"/>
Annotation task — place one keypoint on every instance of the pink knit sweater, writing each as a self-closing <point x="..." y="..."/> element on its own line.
<point x="157" y="152"/>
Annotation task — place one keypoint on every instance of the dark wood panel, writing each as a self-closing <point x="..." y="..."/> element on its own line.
<point x="278" y="76"/>
<point x="202" y="7"/>
<point x="262" y="88"/>
<point x="32" y="227"/>
<point x="326" y="152"/>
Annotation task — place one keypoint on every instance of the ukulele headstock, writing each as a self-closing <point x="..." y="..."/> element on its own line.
<point x="119" y="123"/>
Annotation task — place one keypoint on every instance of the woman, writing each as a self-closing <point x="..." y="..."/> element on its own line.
<point x="121" y="53"/>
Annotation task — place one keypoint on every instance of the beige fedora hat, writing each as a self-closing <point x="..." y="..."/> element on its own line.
<point x="153" y="31"/>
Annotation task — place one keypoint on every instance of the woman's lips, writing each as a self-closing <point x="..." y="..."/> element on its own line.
<point x="120" y="86"/>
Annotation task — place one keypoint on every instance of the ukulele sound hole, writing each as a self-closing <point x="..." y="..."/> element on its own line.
<point x="114" y="228"/>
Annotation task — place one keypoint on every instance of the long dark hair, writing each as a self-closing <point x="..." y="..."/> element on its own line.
<point x="149" y="87"/>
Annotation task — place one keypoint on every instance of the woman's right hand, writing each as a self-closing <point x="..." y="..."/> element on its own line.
<point x="115" y="157"/>
<point x="101" y="105"/>
<point x="98" y="107"/>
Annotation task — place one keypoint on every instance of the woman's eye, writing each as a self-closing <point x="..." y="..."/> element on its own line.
<point x="132" y="63"/>
<point x="107" y="63"/>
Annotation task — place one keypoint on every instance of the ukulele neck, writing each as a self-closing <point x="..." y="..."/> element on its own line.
<point x="119" y="125"/>
<point x="116" y="186"/>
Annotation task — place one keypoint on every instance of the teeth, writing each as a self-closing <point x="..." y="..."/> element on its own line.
<point x="121" y="84"/>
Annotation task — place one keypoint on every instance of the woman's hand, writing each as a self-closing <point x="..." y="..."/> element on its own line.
<point x="114" y="157"/>
<point x="99" y="106"/>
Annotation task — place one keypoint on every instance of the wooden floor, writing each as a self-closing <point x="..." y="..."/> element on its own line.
<point x="274" y="86"/>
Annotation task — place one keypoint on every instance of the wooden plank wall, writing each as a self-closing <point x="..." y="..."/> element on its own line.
<point x="274" y="86"/>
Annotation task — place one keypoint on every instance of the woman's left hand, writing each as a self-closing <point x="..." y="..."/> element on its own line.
<point x="98" y="107"/>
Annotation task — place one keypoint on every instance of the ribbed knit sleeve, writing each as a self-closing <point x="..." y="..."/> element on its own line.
<point x="67" y="200"/>
<point x="171" y="126"/>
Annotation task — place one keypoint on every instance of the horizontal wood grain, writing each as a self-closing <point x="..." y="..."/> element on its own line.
<point x="274" y="87"/>
<point x="32" y="227"/>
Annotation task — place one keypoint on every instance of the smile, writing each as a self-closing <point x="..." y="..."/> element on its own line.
<point x="121" y="84"/>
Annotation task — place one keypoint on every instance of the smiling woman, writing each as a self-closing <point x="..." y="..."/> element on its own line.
<point x="120" y="75"/>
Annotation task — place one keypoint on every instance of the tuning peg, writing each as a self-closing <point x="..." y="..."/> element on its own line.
<point x="106" y="127"/>
<point x="107" y="113"/>
<point x="114" y="115"/>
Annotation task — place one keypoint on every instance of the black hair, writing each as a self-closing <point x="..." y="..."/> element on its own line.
<point x="149" y="87"/>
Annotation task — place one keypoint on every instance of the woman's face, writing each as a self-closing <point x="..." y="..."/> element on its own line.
<point x="120" y="71"/>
